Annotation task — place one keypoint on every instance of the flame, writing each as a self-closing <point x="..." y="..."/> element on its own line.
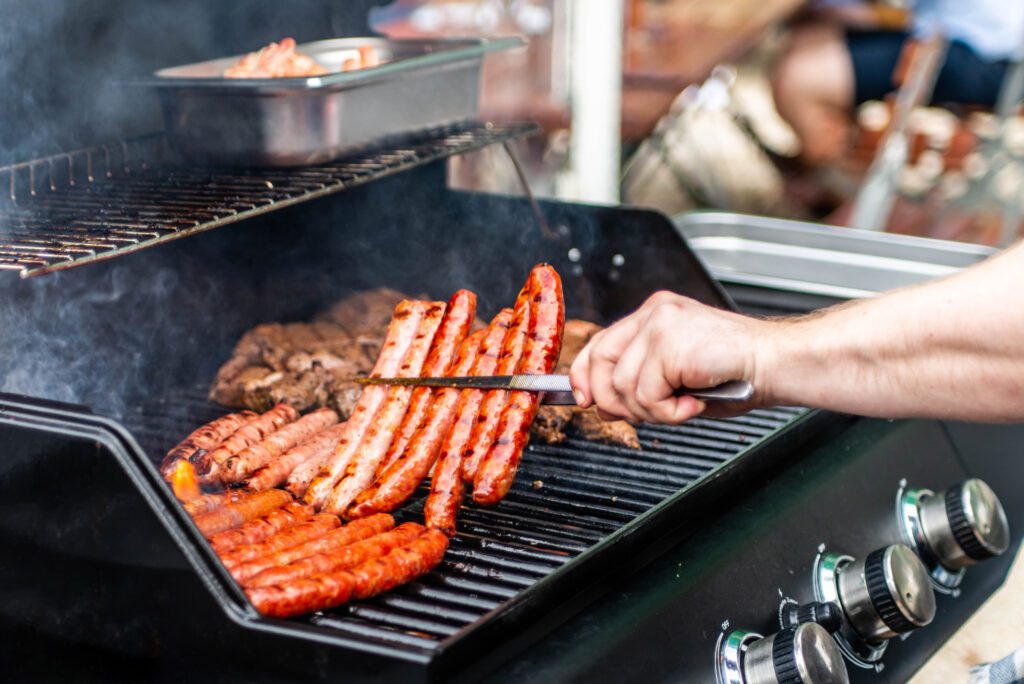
<point x="184" y="482"/>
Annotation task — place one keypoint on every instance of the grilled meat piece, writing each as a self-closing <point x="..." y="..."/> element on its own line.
<point x="550" y="424"/>
<point x="590" y="425"/>
<point x="305" y="365"/>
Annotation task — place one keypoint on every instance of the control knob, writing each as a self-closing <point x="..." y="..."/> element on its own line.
<point x="886" y="594"/>
<point x="805" y="654"/>
<point x="963" y="524"/>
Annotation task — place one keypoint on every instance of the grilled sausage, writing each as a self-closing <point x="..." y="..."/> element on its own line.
<point x="401" y="331"/>
<point x="368" y="455"/>
<point x="257" y="530"/>
<point x="498" y="469"/>
<point x="209" y="502"/>
<point x="207" y="437"/>
<point x="402" y="565"/>
<point x="312" y="528"/>
<point x="399" y="480"/>
<point x="347" y="557"/>
<point x="277" y="471"/>
<point x="446" y="490"/>
<point x="329" y="542"/>
<point x="458" y="318"/>
<point x="276" y="444"/>
<point x="208" y="463"/>
<point x="236" y="513"/>
<point x="486" y="425"/>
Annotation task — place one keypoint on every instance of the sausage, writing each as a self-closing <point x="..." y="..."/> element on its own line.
<point x="458" y="317"/>
<point x="498" y="469"/>
<point x="399" y="480"/>
<point x="486" y="425"/>
<point x="255" y="531"/>
<point x="342" y="559"/>
<point x="312" y="528"/>
<point x="275" y="444"/>
<point x="329" y="542"/>
<point x="446" y="490"/>
<point x="402" y="565"/>
<point x="234" y="514"/>
<point x="369" y="453"/>
<point x="207" y="437"/>
<point x="277" y="471"/>
<point x="208" y="463"/>
<point x="299" y="480"/>
<point x="401" y="331"/>
<point x="209" y="502"/>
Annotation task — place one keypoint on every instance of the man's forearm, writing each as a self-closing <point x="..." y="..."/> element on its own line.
<point x="952" y="348"/>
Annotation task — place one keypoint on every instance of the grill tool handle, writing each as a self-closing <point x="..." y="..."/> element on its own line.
<point x="734" y="390"/>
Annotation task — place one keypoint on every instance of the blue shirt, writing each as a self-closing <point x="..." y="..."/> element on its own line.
<point x="994" y="29"/>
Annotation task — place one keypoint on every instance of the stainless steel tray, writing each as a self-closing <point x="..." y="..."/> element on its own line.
<point x="817" y="259"/>
<point x="298" y="121"/>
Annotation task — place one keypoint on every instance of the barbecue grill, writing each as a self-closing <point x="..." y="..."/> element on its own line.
<point x="601" y="561"/>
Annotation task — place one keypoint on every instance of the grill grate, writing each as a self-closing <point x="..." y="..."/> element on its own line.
<point x="566" y="498"/>
<point x="79" y="207"/>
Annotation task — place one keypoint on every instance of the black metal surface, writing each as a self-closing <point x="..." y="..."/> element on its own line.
<point x="107" y="201"/>
<point x="568" y="499"/>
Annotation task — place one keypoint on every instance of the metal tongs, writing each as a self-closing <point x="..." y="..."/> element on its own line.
<point x="556" y="389"/>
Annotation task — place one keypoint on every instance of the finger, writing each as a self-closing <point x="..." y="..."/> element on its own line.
<point x="579" y="377"/>
<point x="626" y="377"/>
<point x="604" y="394"/>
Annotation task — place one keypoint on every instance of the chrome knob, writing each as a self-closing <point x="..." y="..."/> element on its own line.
<point x="964" y="524"/>
<point x="886" y="594"/>
<point x="806" y="654"/>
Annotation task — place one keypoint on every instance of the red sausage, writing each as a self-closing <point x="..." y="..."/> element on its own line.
<point x="277" y="471"/>
<point x="275" y="444"/>
<point x="486" y="426"/>
<point x="498" y="470"/>
<point x="207" y="437"/>
<point x="446" y="490"/>
<point x="255" y="531"/>
<point x="236" y="513"/>
<point x="458" y="318"/>
<point x="405" y="323"/>
<point x="313" y="527"/>
<point x="328" y="542"/>
<point x="208" y="463"/>
<point x="342" y="559"/>
<point x="400" y="479"/>
<point x="368" y="455"/>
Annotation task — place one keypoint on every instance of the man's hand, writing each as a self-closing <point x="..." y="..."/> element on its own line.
<point x="631" y="369"/>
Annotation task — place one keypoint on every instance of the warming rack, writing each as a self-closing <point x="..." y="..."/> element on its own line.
<point x="78" y="207"/>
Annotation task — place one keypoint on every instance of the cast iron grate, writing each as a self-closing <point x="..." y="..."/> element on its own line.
<point x="102" y="202"/>
<point x="566" y="498"/>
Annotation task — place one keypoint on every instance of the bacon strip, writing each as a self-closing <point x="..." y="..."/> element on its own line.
<point x="312" y="528"/>
<point x="368" y="455"/>
<point x="275" y="444"/>
<point x="446" y="490"/>
<point x="236" y="513"/>
<point x="498" y="469"/>
<point x="399" y="480"/>
<point x="208" y="463"/>
<point x="401" y="331"/>
<point x="255" y="531"/>
<point x="343" y="559"/>
<point x="458" y="317"/>
<point x="486" y="426"/>
<point x="207" y="437"/>
<point x="330" y="542"/>
<point x="402" y="565"/>
<point x="277" y="471"/>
